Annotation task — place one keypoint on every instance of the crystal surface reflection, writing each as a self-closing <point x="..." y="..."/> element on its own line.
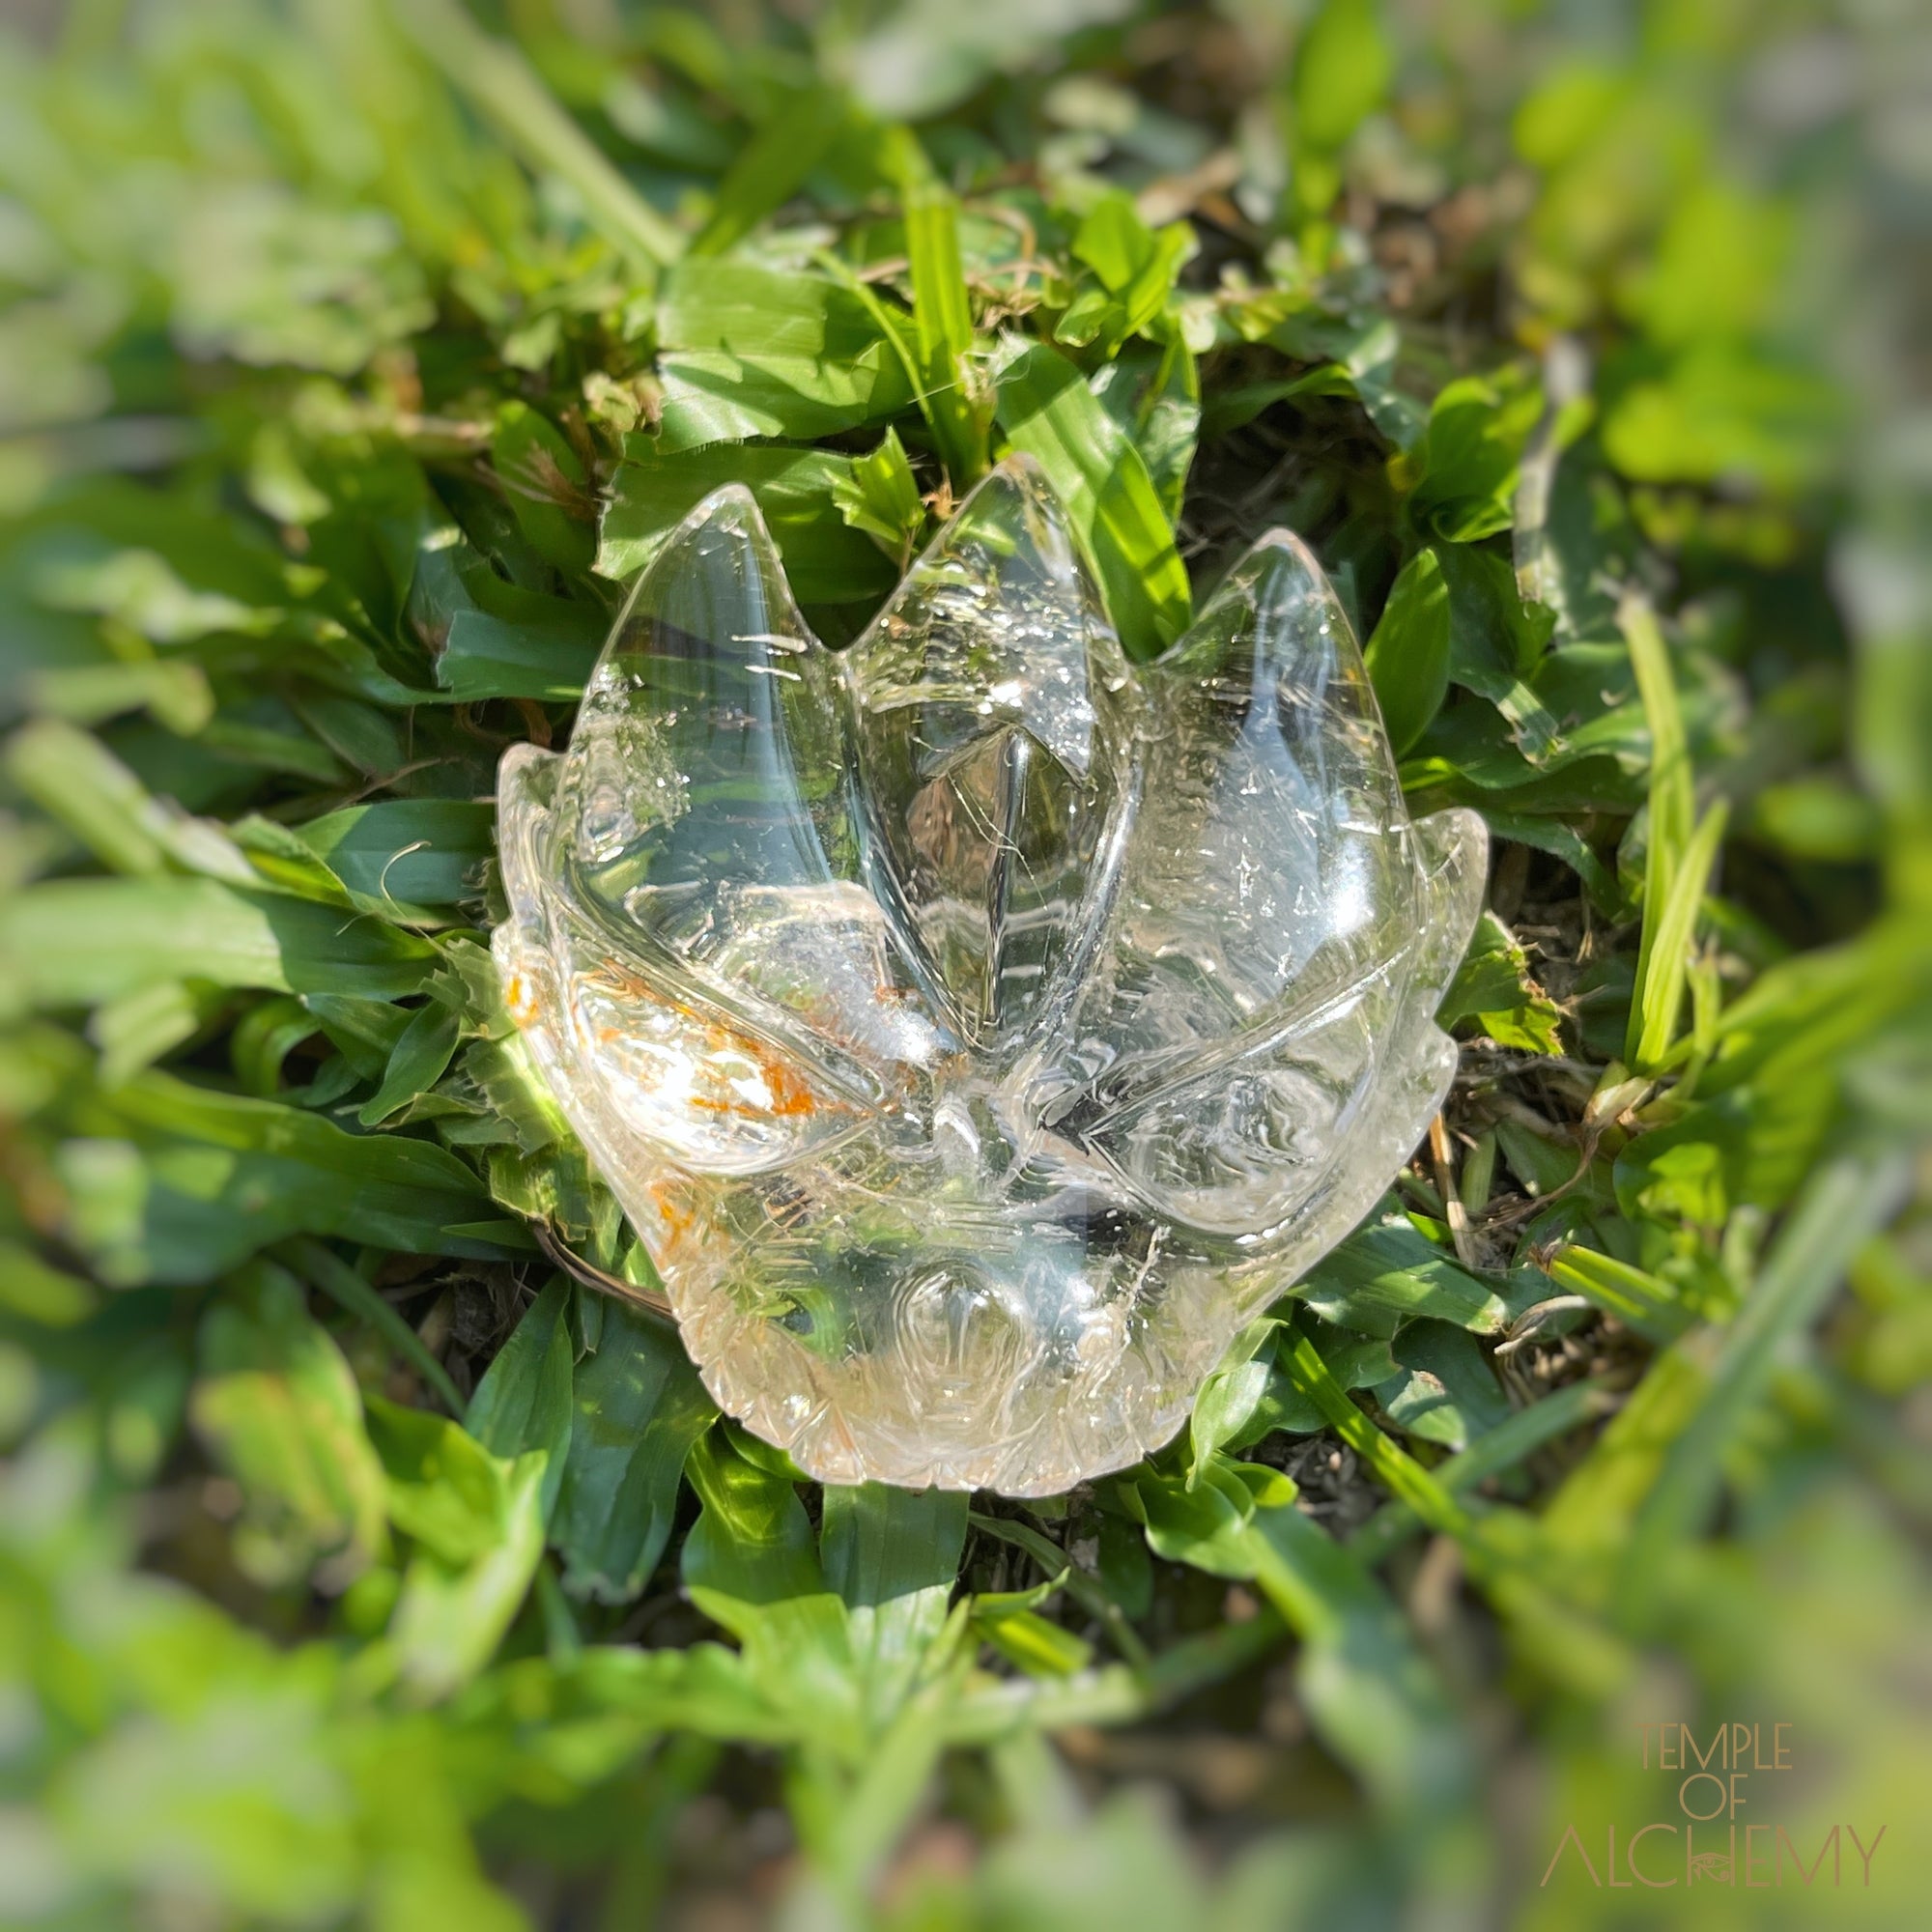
<point x="978" y="1032"/>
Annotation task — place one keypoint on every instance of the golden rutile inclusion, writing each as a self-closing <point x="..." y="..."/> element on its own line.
<point x="978" y="1032"/>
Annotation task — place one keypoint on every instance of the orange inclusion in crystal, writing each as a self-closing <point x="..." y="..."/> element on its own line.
<point x="676" y="1217"/>
<point x="519" y="1001"/>
<point x="787" y="1096"/>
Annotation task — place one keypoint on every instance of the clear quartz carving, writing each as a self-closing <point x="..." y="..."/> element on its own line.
<point x="978" y="1032"/>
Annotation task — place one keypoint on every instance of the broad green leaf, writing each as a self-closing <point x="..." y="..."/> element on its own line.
<point x="1497" y="647"/>
<point x="1153" y="391"/>
<point x="1355" y="1361"/>
<point x="406" y="856"/>
<point x="1126" y="1577"/>
<point x="418" y="1062"/>
<point x="1493" y="987"/>
<point x="892" y="1556"/>
<point x="1280" y="1408"/>
<point x="488" y="656"/>
<point x="713" y="396"/>
<point x="750" y="1563"/>
<point x="491" y="638"/>
<point x="1383" y="1276"/>
<point x="1561" y="842"/>
<point x="172" y="1182"/>
<point x="362" y="736"/>
<point x="1445" y="1390"/>
<point x="547" y="488"/>
<point x="881" y="497"/>
<point x="825" y="561"/>
<point x="1136" y="267"/>
<point x="1471" y="456"/>
<point x="1230" y="409"/>
<point x="755" y="351"/>
<point x="445" y="1492"/>
<point x="78" y="942"/>
<point x="1408" y="651"/>
<point x="1230" y="1397"/>
<point x="1362" y="348"/>
<point x="1050" y="414"/>
<point x="1341" y="69"/>
<point x="278" y="1409"/>
<point x="1204" y="1526"/>
<point x="754" y="1545"/>
<point x="524" y="1402"/>
<point x="639" y="1408"/>
<point x="943" y="320"/>
<point x="364" y="1032"/>
<point x="452" y="1615"/>
<point x="765" y="317"/>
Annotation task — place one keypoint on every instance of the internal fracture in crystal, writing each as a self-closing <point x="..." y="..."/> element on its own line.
<point x="977" y="1031"/>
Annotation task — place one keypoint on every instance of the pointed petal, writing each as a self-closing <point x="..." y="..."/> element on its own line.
<point x="719" y="981"/>
<point x="706" y="752"/>
<point x="1273" y="826"/>
<point x="991" y="707"/>
<point x="1453" y="851"/>
<point x="1265" y="933"/>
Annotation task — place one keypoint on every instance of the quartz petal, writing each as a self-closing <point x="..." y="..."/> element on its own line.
<point x="992" y="718"/>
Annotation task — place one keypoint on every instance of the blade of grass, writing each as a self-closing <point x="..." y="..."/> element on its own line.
<point x="942" y="314"/>
<point x="1672" y="801"/>
<point x="1617" y="1288"/>
<point x="1101" y="478"/>
<point x="1662" y="973"/>
<point x="1390" y="1465"/>
<point x="1085" y="1589"/>
<point x="347" y="1289"/>
<point x="501" y="83"/>
<point x="1845" y="1202"/>
<point x="1115" y="1694"/>
<point x="1502" y="1448"/>
<point x="1501" y="1547"/>
<point x="1368" y="1691"/>
<point x="770" y="167"/>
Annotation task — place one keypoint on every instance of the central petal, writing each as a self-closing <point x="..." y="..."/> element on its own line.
<point x="991" y="710"/>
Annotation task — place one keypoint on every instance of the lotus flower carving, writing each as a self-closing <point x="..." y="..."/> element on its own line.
<point x="978" y="1030"/>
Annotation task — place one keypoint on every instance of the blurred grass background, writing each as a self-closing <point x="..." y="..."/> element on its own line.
<point x="362" y="1565"/>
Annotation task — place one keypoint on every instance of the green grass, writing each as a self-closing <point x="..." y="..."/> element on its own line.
<point x="358" y="1566"/>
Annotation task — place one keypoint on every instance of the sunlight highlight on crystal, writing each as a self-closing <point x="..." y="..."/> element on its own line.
<point x="977" y="1031"/>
